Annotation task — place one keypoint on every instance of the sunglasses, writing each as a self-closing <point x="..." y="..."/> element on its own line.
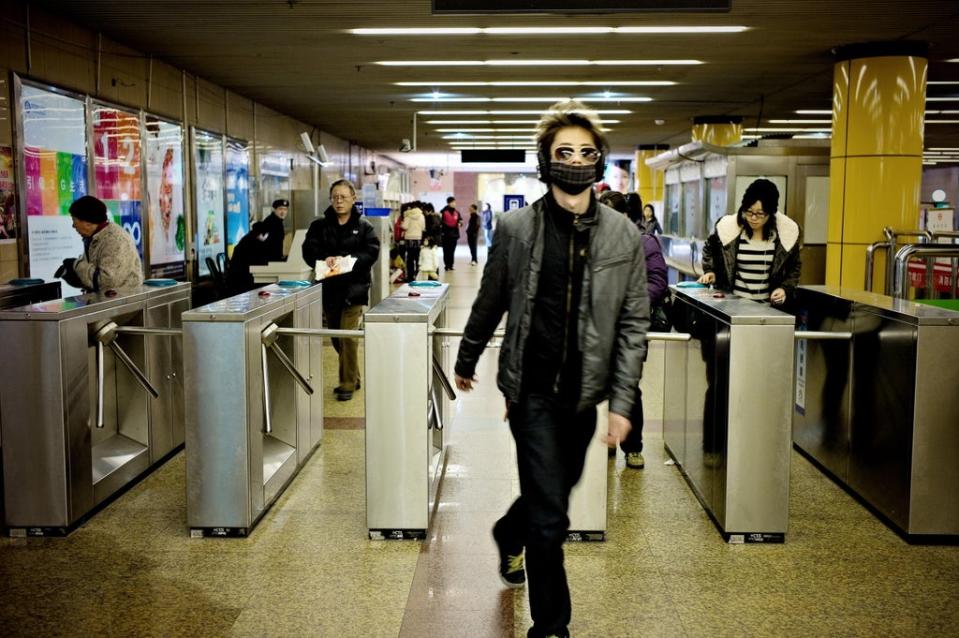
<point x="567" y="154"/>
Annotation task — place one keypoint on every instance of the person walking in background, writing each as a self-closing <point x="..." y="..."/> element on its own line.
<point x="340" y="232"/>
<point x="452" y="221"/>
<point x="487" y="219"/>
<point x="649" y="224"/>
<point x="472" y="232"/>
<point x="413" y="226"/>
<point x="570" y="275"/>
<point x="634" y="207"/>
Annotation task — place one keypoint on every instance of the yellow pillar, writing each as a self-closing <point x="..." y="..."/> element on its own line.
<point x="875" y="167"/>
<point x="718" y="130"/>
<point x="649" y="181"/>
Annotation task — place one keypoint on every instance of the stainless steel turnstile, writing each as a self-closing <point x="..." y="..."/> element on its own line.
<point x="408" y="405"/>
<point x="252" y="416"/>
<point x="877" y="407"/>
<point x="727" y="410"/>
<point x="88" y="389"/>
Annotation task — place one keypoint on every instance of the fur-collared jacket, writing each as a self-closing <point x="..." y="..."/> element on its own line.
<point x="720" y="252"/>
<point x="110" y="261"/>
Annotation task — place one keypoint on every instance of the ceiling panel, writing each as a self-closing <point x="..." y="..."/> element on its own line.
<point x="296" y="57"/>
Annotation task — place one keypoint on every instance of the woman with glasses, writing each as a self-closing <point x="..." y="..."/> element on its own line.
<point x="755" y="253"/>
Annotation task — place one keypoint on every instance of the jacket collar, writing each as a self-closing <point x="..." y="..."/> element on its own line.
<point x="330" y="215"/>
<point x="787" y="231"/>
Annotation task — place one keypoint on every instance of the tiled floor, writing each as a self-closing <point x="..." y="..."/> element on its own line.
<point x="308" y="570"/>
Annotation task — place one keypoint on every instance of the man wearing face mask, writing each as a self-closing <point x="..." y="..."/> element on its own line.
<point x="578" y="341"/>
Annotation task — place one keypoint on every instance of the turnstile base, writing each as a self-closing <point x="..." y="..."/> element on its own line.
<point x="397" y="534"/>
<point x="586" y="537"/>
<point x="219" y="532"/>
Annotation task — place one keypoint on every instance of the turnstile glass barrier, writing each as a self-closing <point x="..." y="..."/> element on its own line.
<point x="877" y="409"/>
<point x="18" y="293"/>
<point x="727" y="398"/>
<point x="82" y="417"/>
<point x="252" y="416"/>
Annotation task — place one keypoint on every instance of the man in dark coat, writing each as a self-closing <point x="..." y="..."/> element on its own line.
<point x="341" y="232"/>
<point x="274" y="228"/>
<point x="252" y="250"/>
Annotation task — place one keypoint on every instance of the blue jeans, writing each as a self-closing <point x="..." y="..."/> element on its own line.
<point x="489" y="237"/>
<point x="551" y="441"/>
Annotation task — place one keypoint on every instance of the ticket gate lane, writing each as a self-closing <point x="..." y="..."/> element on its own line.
<point x="62" y="464"/>
<point x="237" y="365"/>
<point x="727" y="411"/>
<point x="877" y="413"/>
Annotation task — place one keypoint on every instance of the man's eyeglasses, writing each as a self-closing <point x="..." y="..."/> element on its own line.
<point x="341" y="198"/>
<point x="755" y="215"/>
<point x="567" y="154"/>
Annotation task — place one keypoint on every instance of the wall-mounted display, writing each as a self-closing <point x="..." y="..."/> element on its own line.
<point x="208" y="185"/>
<point x="237" y="192"/>
<point x="116" y="167"/>
<point x="53" y="174"/>
<point x="167" y="220"/>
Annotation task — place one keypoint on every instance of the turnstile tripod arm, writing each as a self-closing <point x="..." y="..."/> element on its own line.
<point x="444" y="380"/>
<point x="107" y="336"/>
<point x="134" y="370"/>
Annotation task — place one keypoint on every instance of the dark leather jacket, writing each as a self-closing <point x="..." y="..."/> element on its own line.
<point x="357" y="237"/>
<point x="613" y="313"/>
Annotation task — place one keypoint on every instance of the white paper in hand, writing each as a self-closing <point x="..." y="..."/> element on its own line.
<point x="341" y="265"/>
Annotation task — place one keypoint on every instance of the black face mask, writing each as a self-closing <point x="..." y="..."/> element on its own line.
<point x="572" y="179"/>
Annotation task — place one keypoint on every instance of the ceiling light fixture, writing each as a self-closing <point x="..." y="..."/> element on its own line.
<point x="499" y="122"/>
<point x="772" y="129"/>
<point x="462" y="136"/>
<point x="942" y="99"/>
<point x="649" y="30"/>
<point x="518" y="112"/>
<point x="524" y="62"/>
<point x="545" y="100"/>
<point x="800" y="122"/>
<point x="942" y="82"/>
<point x="813" y="112"/>
<point x="545" y="83"/>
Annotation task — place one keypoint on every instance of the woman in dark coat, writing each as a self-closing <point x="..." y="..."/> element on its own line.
<point x="472" y="232"/>
<point x="755" y="253"/>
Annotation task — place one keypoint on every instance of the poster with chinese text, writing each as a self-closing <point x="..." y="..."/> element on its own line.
<point x="116" y="167"/>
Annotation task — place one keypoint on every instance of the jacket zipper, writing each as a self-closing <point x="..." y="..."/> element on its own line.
<point x="569" y="303"/>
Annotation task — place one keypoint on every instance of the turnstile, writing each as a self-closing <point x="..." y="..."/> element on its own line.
<point x="877" y="409"/>
<point x="408" y="405"/>
<point x="252" y="417"/>
<point x="87" y="396"/>
<point x="727" y="410"/>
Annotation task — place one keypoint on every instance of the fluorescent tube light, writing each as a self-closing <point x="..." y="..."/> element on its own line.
<point x="544" y="83"/>
<point x="545" y="100"/>
<point x="524" y="62"/>
<point x="517" y="112"/>
<point x="814" y="112"/>
<point x="648" y="30"/>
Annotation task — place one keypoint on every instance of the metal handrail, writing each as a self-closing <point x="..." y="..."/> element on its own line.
<point x="901" y="272"/>
<point x="813" y="335"/>
<point x="871" y="261"/>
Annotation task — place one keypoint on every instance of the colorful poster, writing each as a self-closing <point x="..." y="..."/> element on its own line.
<point x="237" y="192"/>
<point x="166" y="219"/>
<point x="116" y="167"/>
<point x="208" y="182"/>
<point x="54" y="174"/>
<point x="8" y="199"/>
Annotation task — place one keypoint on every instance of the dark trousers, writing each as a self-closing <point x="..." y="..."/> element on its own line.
<point x="634" y="440"/>
<point x="449" y="250"/>
<point x="346" y="318"/>
<point x="471" y="240"/>
<point x="551" y="441"/>
<point x="412" y="259"/>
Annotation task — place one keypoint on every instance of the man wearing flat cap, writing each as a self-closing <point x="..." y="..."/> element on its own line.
<point x="110" y="259"/>
<point x="273" y="226"/>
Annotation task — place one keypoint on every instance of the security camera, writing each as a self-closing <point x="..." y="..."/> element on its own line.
<point x="324" y="156"/>
<point x="307" y="142"/>
<point x="405" y="146"/>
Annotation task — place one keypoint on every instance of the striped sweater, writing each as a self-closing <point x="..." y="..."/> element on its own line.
<point x="753" y="264"/>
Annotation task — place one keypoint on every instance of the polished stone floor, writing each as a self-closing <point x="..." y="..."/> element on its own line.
<point x="308" y="570"/>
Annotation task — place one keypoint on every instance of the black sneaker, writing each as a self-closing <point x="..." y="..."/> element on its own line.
<point x="344" y="396"/>
<point x="511" y="570"/>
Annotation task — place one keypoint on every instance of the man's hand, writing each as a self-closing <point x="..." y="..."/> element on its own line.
<point x="330" y="262"/>
<point x="778" y="296"/>
<point x="618" y="429"/>
<point x="465" y="384"/>
<point x="707" y="278"/>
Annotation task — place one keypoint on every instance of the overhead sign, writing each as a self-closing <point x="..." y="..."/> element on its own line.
<point x="577" y="6"/>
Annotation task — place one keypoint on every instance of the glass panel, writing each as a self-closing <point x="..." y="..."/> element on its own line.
<point x="116" y="167"/>
<point x="692" y="216"/>
<point x="55" y="173"/>
<point x="673" y="201"/>
<point x="167" y="221"/>
<point x="237" y="192"/>
<point x="208" y="181"/>
<point x="717" y="202"/>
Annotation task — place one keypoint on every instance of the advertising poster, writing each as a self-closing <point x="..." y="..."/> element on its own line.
<point x="237" y="192"/>
<point x="8" y="198"/>
<point x="167" y="223"/>
<point x="54" y="174"/>
<point x="116" y="168"/>
<point x="208" y="181"/>
<point x="275" y="170"/>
